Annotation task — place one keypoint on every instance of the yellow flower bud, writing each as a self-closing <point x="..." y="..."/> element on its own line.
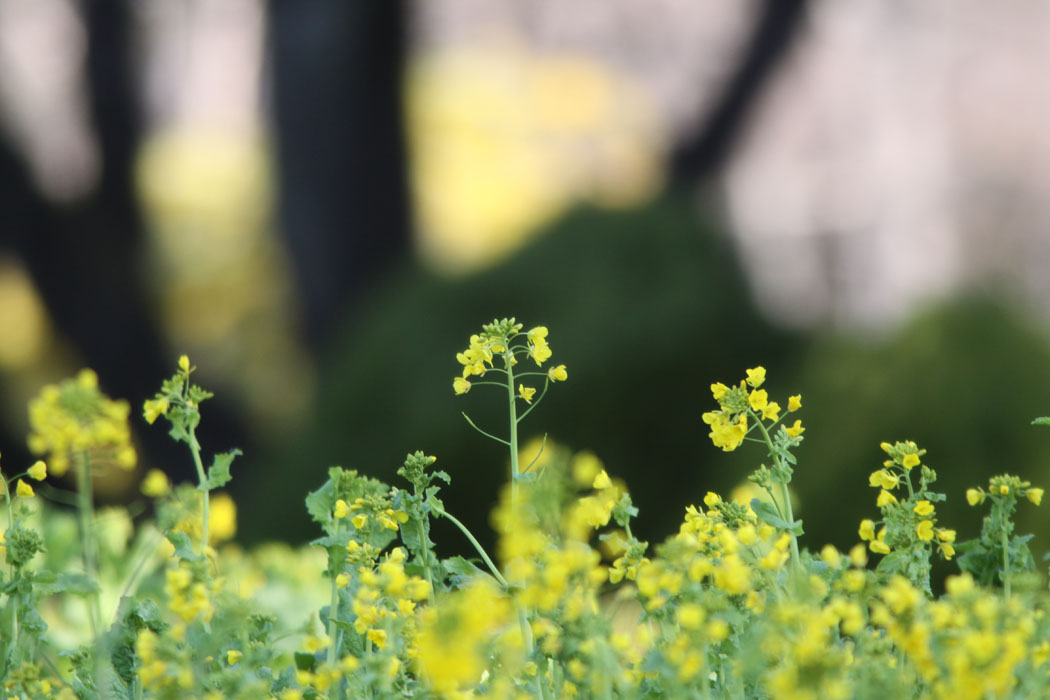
<point x="39" y="471"/>
<point x="184" y="363"/>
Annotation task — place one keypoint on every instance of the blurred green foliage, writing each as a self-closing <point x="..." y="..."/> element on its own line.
<point x="647" y="308"/>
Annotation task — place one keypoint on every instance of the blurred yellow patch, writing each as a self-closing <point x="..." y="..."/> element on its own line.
<point x="503" y="141"/>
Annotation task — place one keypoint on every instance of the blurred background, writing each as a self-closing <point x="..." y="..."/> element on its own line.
<point x="319" y="201"/>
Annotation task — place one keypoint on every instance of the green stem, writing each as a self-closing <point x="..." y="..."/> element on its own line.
<point x="1006" y="563"/>
<point x="426" y="557"/>
<point x="784" y="493"/>
<point x="332" y="605"/>
<point x="513" y="444"/>
<point x="195" y="448"/>
<point x="86" y="511"/>
<point x="477" y="546"/>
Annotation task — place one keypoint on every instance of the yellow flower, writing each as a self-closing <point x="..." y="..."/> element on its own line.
<point x="460" y="385"/>
<point x="223" y="517"/>
<point x="39" y="471"/>
<point x="867" y="530"/>
<point x="878" y="545"/>
<point x="946" y="535"/>
<point x="883" y="479"/>
<point x="24" y="490"/>
<point x="341" y="510"/>
<point x="923" y="508"/>
<point x="152" y="409"/>
<point x="974" y="496"/>
<point x="758" y="399"/>
<point x="718" y="390"/>
<point x="1035" y="495"/>
<point x="184" y="363"/>
<point x="233" y="655"/>
<point x="794" y="403"/>
<point x="885" y="498"/>
<point x="947" y="550"/>
<point x="925" y="530"/>
<point x="756" y="376"/>
<point x="910" y="461"/>
<point x="526" y="392"/>
<point x="558" y="373"/>
<point x="155" y="484"/>
<point x="359" y="520"/>
<point x="771" y="411"/>
<point x="796" y="429"/>
<point x="538" y="334"/>
<point x="601" y="481"/>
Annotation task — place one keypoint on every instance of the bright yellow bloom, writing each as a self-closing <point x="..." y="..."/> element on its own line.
<point x="910" y="461"/>
<point x="538" y="334"/>
<point x="947" y="550"/>
<point x="359" y="520"/>
<point x="341" y="509"/>
<point x="923" y="508"/>
<point x="155" y="484"/>
<point x="925" y="530"/>
<point x="233" y="655"/>
<point x="756" y="376"/>
<point x="974" y="496"/>
<point x="558" y="373"/>
<point x="460" y="385"/>
<point x="879" y="545"/>
<point x="883" y="479"/>
<point x="184" y="363"/>
<point x="39" y="471"/>
<point x="867" y="530"/>
<point x="771" y="411"/>
<point x="526" y="392"/>
<point x="24" y="490"/>
<point x="601" y="481"/>
<point x="885" y="498"/>
<point x="758" y="399"/>
<point x="718" y="390"/>
<point x="946" y="535"/>
<point x="1035" y="495"/>
<point x="152" y="409"/>
<point x="223" y="518"/>
<point x="794" y="403"/>
<point x="796" y="429"/>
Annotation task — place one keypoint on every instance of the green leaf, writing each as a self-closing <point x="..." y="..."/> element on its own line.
<point x="304" y="661"/>
<point x="319" y="504"/>
<point x="219" y="471"/>
<point x="1045" y="420"/>
<point x="767" y="514"/>
<point x="338" y="540"/>
<point x="183" y="546"/>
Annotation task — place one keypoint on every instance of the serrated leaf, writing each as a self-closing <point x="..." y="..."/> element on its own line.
<point x="767" y="514"/>
<point x="183" y="546"/>
<point x="219" y="471"/>
<point x="319" y="504"/>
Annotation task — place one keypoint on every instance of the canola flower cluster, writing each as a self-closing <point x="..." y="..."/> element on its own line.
<point x="73" y="419"/>
<point x="574" y="605"/>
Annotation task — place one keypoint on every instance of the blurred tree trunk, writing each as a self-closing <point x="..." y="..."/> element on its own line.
<point x="344" y="209"/>
<point x="777" y="24"/>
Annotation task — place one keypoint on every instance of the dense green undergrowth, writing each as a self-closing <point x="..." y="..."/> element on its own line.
<point x="113" y="604"/>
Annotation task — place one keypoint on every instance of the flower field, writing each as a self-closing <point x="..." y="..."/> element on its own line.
<point x="106" y="603"/>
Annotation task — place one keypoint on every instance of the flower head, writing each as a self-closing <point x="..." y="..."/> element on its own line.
<point x="38" y="471"/>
